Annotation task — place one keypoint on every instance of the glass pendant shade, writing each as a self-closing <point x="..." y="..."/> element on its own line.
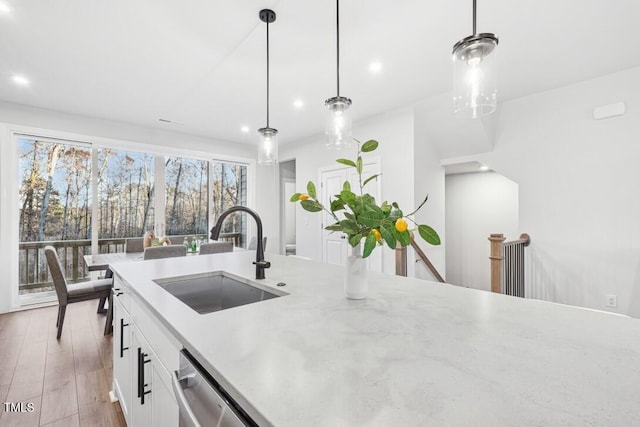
<point x="475" y="92"/>
<point x="267" y="146"/>
<point x="338" y="127"/>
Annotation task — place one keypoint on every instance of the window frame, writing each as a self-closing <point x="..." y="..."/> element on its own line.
<point x="9" y="180"/>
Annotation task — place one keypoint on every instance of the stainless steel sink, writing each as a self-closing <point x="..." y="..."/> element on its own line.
<point x="215" y="291"/>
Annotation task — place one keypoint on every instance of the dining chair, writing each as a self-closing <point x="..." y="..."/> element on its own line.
<point x="253" y="243"/>
<point x="170" y="251"/>
<point x="70" y="293"/>
<point x="216" y="248"/>
<point x="135" y="244"/>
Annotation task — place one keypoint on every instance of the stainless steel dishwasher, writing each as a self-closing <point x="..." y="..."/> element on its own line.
<point x="201" y="400"/>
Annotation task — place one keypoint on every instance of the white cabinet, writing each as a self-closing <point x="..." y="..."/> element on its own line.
<point x="144" y="354"/>
<point x="122" y="374"/>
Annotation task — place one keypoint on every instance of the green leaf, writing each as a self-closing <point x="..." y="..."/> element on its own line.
<point x="368" y="146"/>
<point x="346" y="162"/>
<point x="429" y="234"/>
<point x="354" y="240"/>
<point x="337" y="205"/>
<point x="334" y="227"/>
<point x="350" y="216"/>
<point x="387" y="235"/>
<point x="348" y="197"/>
<point x="295" y="197"/>
<point x="370" y="206"/>
<point x="369" y="245"/>
<point x="359" y="164"/>
<point x="311" y="189"/>
<point x="350" y="227"/>
<point x="370" y="219"/>
<point x="372" y="177"/>
<point x="346" y="186"/>
<point x="311" y="205"/>
<point x="403" y="237"/>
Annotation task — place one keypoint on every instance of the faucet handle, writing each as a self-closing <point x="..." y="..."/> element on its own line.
<point x="263" y="264"/>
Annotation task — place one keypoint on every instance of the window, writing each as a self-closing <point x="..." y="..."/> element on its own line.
<point x="57" y="204"/>
<point x="55" y="209"/>
<point x="186" y="195"/>
<point x="125" y="196"/>
<point x="230" y="189"/>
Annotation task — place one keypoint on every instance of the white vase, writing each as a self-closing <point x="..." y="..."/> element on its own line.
<point x="356" y="277"/>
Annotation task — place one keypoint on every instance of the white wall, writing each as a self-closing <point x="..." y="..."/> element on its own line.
<point x="17" y="117"/>
<point x="429" y="179"/>
<point x="477" y="205"/>
<point x="579" y="197"/>
<point x="395" y="132"/>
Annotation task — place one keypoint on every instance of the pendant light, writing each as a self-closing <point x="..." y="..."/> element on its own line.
<point x="474" y="80"/>
<point x="338" y="127"/>
<point x="268" y="137"/>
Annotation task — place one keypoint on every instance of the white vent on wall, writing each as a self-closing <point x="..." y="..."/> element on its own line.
<point x="611" y="110"/>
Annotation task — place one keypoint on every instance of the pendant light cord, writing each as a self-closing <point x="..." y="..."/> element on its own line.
<point x="267" y="73"/>
<point x="474" y="18"/>
<point x="338" y="45"/>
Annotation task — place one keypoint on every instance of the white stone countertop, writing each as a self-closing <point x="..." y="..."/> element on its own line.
<point x="414" y="353"/>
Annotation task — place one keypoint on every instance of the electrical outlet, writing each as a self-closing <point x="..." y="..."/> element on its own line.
<point x="612" y="300"/>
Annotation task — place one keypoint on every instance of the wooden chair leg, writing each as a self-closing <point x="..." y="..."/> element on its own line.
<point x="62" y="309"/>
<point x="101" y="308"/>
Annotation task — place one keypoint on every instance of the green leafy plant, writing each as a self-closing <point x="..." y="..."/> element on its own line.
<point x="359" y="217"/>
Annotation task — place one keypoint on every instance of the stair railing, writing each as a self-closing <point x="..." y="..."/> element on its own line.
<point x="401" y="260"/>
<point x="507" y="264"/>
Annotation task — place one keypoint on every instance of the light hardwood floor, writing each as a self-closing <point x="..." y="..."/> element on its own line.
<point x="67" y="381"/>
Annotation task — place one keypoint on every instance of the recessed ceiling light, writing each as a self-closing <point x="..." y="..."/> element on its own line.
<point x="5" y="9"/>
<point x="483" y="168"/>
<point x="20" y="80"/>
<point x="245" y="129"/>
<point x="298" y="103"/>
<point x="375" y="67"/>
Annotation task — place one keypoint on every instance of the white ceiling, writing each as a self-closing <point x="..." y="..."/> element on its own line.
<point x="202" y="63"/>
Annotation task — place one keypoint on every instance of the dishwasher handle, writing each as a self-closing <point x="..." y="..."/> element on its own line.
<point x="186" y="413"/>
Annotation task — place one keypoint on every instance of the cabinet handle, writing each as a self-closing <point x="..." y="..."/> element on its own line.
<point x="122" y="347"/>
<point x="117" y="292"/>
<point x="141" y="383"/>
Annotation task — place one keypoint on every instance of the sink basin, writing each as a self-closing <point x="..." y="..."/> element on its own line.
<point x="215" y="291"/>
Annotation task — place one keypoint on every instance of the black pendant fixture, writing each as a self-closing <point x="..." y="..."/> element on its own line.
<point x="338" y="127"/>
<point x="475" y="91"/>
<point x="268" y="136"/>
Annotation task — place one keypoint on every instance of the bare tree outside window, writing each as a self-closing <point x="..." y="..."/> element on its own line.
<point x="125" y="190"/>
<point x="186" y="193"/>
<point x="229" y="189"/>
<point x="55" y="206"/>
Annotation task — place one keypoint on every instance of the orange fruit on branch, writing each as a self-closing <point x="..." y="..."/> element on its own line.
<point x="304" y="197"/>
<point x="401" y="225"/>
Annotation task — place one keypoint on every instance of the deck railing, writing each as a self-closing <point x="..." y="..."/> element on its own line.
<point x="34" y="275"/>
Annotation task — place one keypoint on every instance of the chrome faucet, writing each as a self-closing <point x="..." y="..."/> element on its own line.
<point x="260" y="263"/>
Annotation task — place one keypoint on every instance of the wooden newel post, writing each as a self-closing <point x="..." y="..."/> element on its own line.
<point x="401" y="260"/>
<point x="496" y="261"/>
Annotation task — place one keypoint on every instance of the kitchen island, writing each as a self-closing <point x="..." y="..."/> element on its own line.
<point x="413" y="353"/>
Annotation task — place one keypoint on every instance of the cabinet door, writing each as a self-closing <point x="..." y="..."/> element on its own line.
<point x="142" y="387"/>
<point x="164" y="406"/>
<point x="122" y="374"/>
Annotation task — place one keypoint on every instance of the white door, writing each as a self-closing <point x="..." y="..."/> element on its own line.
<point x="334" y="248"/>
<point x="334" y="245"/>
